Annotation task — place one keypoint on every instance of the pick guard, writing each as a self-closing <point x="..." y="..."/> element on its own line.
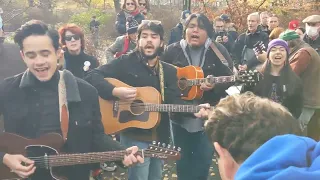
<point x="126" y="116"/>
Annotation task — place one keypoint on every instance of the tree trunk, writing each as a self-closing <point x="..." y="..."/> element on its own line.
<point x="116" y="5"/>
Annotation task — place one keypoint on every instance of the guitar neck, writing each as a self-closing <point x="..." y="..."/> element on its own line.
<point x="211" y="80"/>
<point x="96" y="157"/>
<point x="171" y="108"/>
<point x="76" y="159"/>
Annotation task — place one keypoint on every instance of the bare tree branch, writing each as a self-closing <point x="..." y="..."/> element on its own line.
<point x="15" y="15"/>
<point x="261" y="5"/>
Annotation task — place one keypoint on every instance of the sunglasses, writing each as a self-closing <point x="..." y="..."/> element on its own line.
<point x="69" y="38"/>
<point x="132" y="4"/>
<point x="151" y="21"/>
<point x="142" y="4"/>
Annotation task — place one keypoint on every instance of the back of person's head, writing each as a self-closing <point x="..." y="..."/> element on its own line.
<point x="243" y="122"/>
<point x="275" y="33"/>
<point x="239" y="124"/>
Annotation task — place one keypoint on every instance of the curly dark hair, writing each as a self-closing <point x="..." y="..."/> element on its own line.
<point x="242" y="123"/>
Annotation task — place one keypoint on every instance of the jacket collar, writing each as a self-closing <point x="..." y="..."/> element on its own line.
<point x="72" y="89"/>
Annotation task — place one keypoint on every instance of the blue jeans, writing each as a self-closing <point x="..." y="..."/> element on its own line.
<point x="196" y="154"/>
<point x="151" y="169"/>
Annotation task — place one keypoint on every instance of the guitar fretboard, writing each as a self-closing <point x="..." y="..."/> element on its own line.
<point x="171" y="108"/>
<point x="211" y="80"/>
<point x="75" y="159"/>
<point x="86" y="158"/>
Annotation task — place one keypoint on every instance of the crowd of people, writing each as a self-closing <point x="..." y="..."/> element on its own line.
<point x="269" y="130"/>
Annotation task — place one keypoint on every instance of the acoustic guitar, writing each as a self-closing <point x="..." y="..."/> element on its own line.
<point x="191" y="77"/>
<point x="44" y="151"/>
<point x="141" y="113"/>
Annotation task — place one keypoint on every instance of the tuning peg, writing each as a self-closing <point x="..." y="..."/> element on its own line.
<point x="169" y="146"/>
<point x="179" y="149"/>
<point x="174" y="147"/>
<point x="163" y="144"/>
<point x="154" y="142"/>
<point x="159" y="143"/>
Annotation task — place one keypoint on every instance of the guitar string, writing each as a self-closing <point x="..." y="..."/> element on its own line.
<point x="146" y="151"/>
<point x="43" y="162"/>
<point x="133" y="104"/>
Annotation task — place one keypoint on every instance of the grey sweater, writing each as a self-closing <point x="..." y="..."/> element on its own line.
<point x="118" y="46"/>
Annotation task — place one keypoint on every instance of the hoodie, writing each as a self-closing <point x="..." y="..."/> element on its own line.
<point x="283" y="157"/>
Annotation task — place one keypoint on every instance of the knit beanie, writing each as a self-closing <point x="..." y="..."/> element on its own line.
<point x="277" y="42"/>
<point x="131" y="25"/>
<point x="184" y="14"/>
<point x="293" y="25"/>
<point x="289" y="35"/>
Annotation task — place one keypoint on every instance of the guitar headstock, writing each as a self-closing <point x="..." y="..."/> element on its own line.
<point x="162" y="151"/>
<point x="249" y="77"/>
<point x="259" y="47"/>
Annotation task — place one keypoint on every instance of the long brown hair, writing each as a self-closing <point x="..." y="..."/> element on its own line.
<point x="287" y="79"/>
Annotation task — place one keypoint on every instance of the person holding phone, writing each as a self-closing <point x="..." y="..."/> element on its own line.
<point x="220" y="35"/>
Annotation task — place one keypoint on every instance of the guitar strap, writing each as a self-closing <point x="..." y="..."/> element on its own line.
<point x="63" y="107"/>
<point x="218" y="53"/>
<point x="221" y="57"/>
<point x="161" y="78"/>
<point x="159" y="67"/>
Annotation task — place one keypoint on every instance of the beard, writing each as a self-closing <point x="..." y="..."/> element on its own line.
<point x="152" y="56"/>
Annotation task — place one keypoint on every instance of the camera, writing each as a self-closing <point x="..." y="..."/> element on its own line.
<point x="221" y="33"/>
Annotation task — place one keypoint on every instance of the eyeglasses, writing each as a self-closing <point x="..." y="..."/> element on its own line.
<point x="151" y="21"/>
<point x="75" y="37"/>
<point x="132" y="4"/>
<point x="142" y="4"/>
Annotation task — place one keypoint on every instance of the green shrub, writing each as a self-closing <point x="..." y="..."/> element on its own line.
<point x="83" y="19"/>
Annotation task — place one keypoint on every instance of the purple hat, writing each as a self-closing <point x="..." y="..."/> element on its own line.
<point x="277" y="42"/>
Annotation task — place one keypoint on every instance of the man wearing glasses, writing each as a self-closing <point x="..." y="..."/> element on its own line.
<point x="139" y="69"/>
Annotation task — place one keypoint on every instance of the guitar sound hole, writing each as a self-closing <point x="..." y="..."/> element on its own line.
<point x="183" y="83"/>
<point x="137" y="107"/>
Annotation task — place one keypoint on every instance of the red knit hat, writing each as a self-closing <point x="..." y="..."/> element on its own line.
<point x="293" y="25"/>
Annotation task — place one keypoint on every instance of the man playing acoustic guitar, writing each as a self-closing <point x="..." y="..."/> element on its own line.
<point x="139" y="69"/>
<point x="31" y="105"/>
<point x="196" y="49"/>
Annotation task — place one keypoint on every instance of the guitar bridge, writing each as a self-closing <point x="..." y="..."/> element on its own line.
<point x="115" y="108"/>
